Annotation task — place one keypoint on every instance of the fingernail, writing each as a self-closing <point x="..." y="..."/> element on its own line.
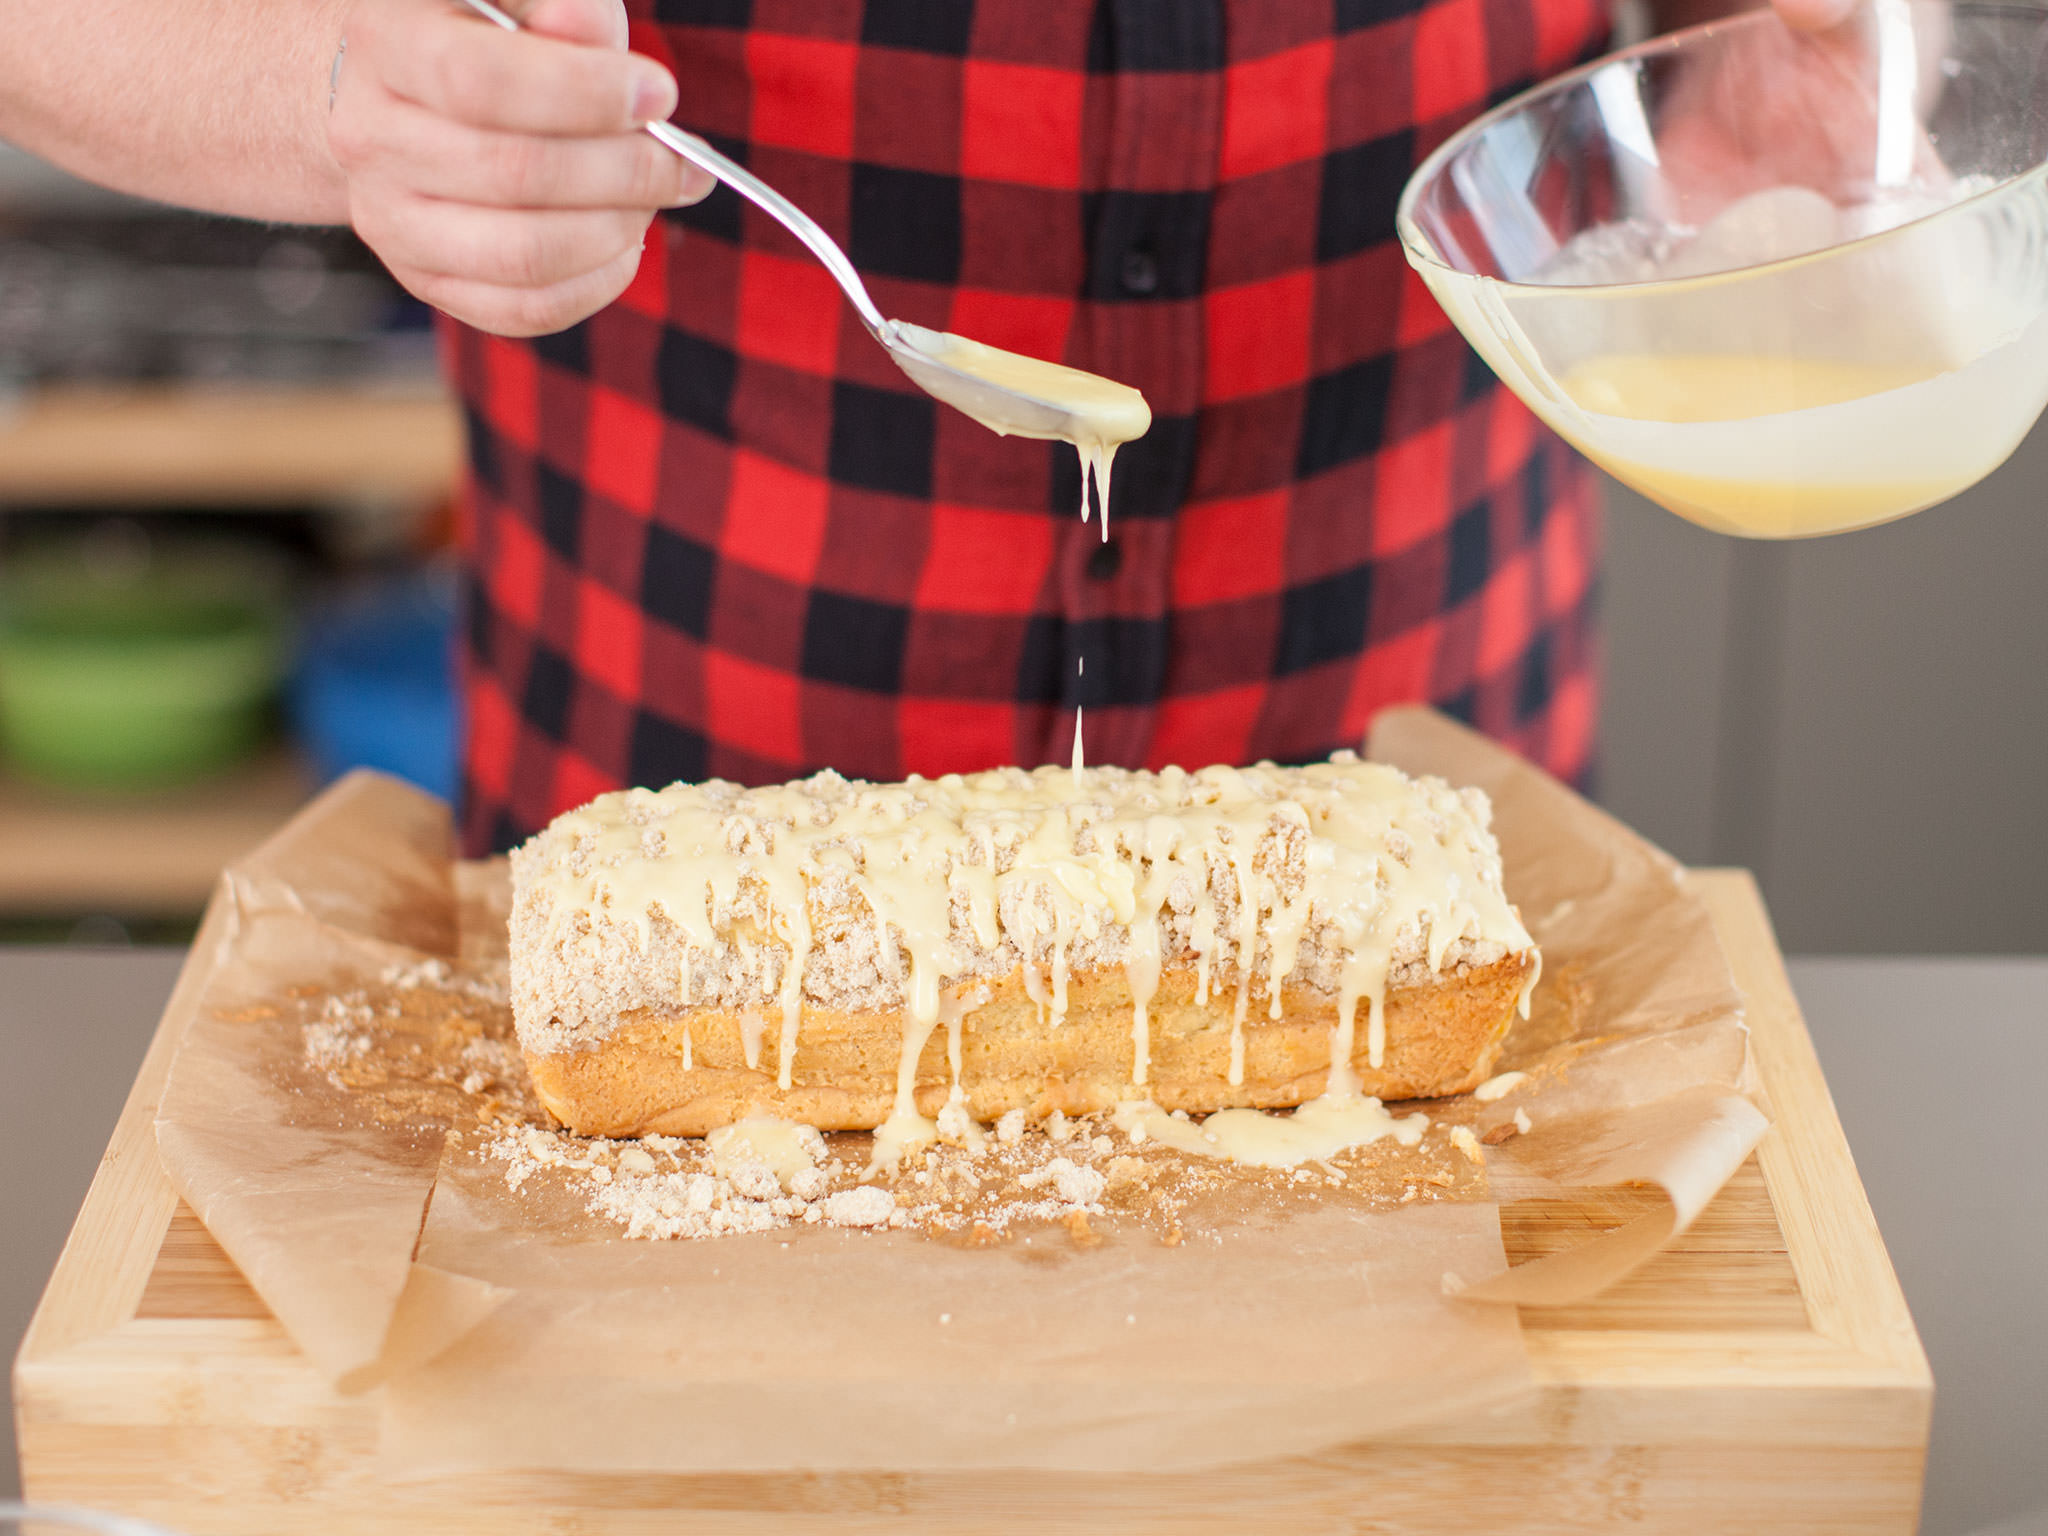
<point x="654" y="95"/>
<point x="695" y="186"/>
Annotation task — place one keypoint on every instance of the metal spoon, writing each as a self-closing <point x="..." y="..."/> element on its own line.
<point x="915" y="349"/>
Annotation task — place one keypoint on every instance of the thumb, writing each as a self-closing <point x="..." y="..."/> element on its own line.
<point x="598" y="23"/>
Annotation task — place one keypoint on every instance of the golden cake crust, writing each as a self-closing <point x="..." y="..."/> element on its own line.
<point x="1442" y="1037"/>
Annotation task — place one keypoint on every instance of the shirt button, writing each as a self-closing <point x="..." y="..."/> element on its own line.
<point x="1140" y="272"/>
<point x="1105" y="560"/>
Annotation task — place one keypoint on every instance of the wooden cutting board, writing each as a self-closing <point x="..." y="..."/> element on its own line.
<point x="1762" y="1376"/>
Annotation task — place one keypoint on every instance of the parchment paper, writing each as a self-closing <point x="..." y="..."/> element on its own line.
<point x="827" y="1349"/>
<point x="320" y="1217"/>
<point x="520" y="1331"/>
<point x="1636" y="1047"/>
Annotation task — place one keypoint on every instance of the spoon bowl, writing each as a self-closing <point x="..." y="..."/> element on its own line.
<point x="921" y="354"/>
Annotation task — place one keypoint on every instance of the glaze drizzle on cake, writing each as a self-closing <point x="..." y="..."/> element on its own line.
<point x="1340" y="876"/>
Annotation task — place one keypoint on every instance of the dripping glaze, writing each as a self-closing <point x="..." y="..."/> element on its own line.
<point x="964" y="879"/>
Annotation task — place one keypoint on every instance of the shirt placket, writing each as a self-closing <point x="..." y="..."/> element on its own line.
<point x="1141" y="322"/>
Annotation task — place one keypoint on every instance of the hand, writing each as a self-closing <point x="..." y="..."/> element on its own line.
<point x="1796" y="106"/>
<point x="502" y="176"/>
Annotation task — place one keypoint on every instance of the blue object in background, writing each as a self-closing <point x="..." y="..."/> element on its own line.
<point x="375" y="685"/>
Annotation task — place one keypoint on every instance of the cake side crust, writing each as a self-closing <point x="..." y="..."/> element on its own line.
<point x="1443" y="1037"/>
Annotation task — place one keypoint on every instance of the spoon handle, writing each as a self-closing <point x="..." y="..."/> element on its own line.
<point x="755" y="190"/>
<point x="780" y="208"/>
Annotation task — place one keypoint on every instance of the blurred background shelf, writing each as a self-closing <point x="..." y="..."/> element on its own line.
<point x="229" y="445"/>
<point x="153" y="857"/>
<point x="227" y="463"/>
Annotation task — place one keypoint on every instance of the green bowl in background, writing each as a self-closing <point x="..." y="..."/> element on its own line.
<point x="145" y="670"/>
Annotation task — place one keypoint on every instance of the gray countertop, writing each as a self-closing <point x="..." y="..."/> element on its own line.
<point x="1937" y="1066"/>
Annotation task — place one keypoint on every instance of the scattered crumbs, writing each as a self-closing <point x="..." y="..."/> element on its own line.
<point x="485" y="985"/>
<point x="1522" y="1121"/>
<point x="981" y="1194"/>
<point x="424" y="1044"/>
<point x="339" y="1037"/>
<point x="1466" y="1142"/>
<point x="490" y="1063"/>
<point x="1127" y="1173"/>
<point x="1077" y="1186"/>
<point x="866" y="1206"/>
<point x="945" y="1317"/>
<point x="809" y="1184"/>
<point x="431" y="1044"/>
<point x="1130" y="1317"/>
<point x="956" y="1127"/>
<point x="1497" y="1134"/>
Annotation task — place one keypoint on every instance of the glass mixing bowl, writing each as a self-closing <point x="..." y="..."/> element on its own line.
<point x="1782" y="283"/>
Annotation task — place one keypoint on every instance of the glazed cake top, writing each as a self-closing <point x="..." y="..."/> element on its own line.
<point x="1342" y="875"/>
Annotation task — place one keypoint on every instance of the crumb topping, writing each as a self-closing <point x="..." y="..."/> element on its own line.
<point x="1344" y="877"/>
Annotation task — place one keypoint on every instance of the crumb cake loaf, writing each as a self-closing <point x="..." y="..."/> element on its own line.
<point x="842" y="953"/>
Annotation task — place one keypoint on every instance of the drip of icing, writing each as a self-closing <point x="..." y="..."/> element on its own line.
<point x="907" y="1129"/>
<point x="798" y="932"/>
<point x="1034" y="987"/>
<point x="1141" y="975"/>
<point x="1202" y="937"/>
<point x="1095" y="461"/>
<point x="1143" y="954"/>
<point x="1499" y="1087"/>
<point x="896" y="1138"/>
<point x="955" y="1120"/>
<point x="787" y="1147"/>
<point x="957" y="1126"/>
<point x="1062" y="936"/>
<point x="1321" y="1128"/>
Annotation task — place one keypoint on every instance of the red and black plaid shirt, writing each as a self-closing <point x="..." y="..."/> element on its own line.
<point x="716" y="533"/>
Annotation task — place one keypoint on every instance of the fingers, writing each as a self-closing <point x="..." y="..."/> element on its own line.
<point x="456" y="65"/>
<point x="509" y="247"/>
<point x="515" y="311"/>
<point x="435" y="157"/>
<point x="501" y="176"/>
<point x="601" y="23"/>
